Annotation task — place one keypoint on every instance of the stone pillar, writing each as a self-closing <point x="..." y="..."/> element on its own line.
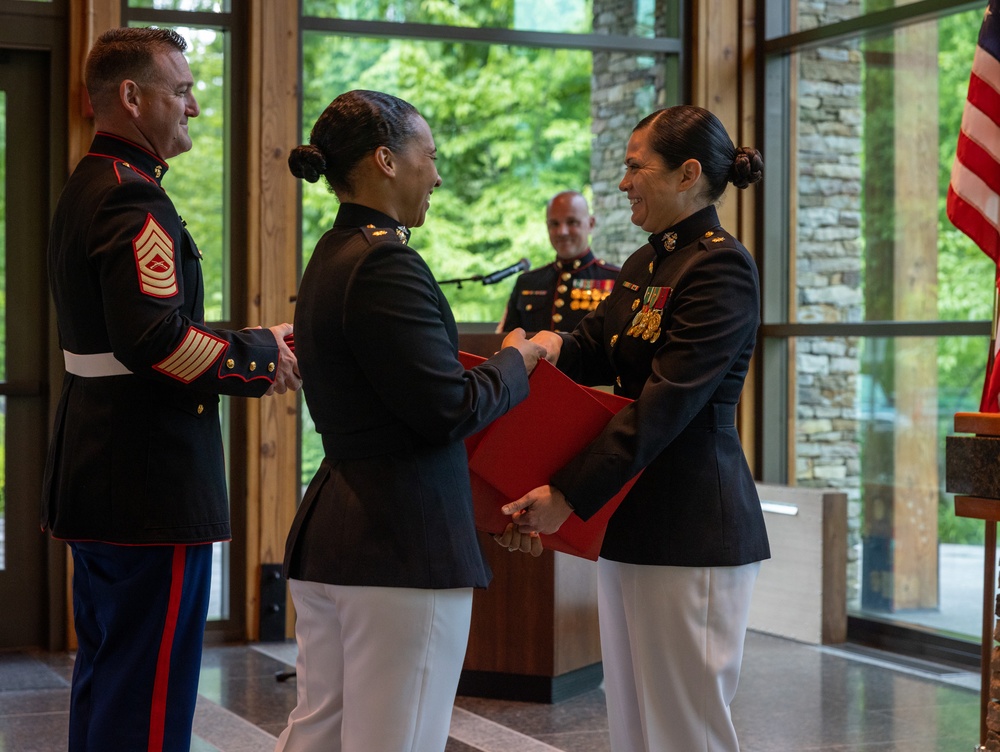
<point x="625" y="88"/>
<point x="826" y="192"/>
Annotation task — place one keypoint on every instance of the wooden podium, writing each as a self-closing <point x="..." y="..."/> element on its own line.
<point x="534" y="633"/>
<point x="972" y="469"/>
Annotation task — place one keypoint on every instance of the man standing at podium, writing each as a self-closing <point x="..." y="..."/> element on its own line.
<point x="558" y="295"/>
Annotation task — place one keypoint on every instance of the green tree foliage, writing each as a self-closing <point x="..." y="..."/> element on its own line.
<point x="572" y="16"/>
<point x="197" y="180"/>
<point x="512" y="127"/>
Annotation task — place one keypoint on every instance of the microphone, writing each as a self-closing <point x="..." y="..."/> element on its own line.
<point x="521" y="266"/>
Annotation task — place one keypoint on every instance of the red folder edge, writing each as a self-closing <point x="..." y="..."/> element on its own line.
<point x="522" y="449"/>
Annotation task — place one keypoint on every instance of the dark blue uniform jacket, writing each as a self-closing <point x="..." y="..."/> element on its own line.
<point x="676" y="336"/>
<point x="377" y="347"/>
<point x="558" y="295"/>
<point x="136" y="454"/>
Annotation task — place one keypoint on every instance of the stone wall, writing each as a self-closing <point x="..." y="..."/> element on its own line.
<point x="625" y="88"/>
<point x="827" y="253"/>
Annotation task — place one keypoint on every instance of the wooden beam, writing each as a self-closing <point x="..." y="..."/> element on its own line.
<point x="915" y="493"/>
<point x="723" y="81"/>
<point x="87" y="20"/>
<point x="272" y="217"/>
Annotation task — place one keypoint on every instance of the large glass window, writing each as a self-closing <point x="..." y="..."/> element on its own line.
<point x="876" y="308"/>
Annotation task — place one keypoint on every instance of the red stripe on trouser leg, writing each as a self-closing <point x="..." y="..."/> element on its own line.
<point x="161" y="684"/>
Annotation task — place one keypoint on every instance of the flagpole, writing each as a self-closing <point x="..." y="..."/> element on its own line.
<point x="996" y="316"/>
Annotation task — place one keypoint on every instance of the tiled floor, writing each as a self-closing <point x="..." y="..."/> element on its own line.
<point x="792" y="697"/>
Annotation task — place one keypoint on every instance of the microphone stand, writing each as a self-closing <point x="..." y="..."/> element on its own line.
<point x="459" y="280"/>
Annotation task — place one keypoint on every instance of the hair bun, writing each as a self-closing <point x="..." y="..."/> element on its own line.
<point x="748" y="167"/>
<point x="307" y="162"/>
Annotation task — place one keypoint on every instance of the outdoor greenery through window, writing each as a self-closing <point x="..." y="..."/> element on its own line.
<point x="206" y="6"/>
<point x="568" y="16"/>
<point x="499" y="160"/>
<point x="196" y="181"/>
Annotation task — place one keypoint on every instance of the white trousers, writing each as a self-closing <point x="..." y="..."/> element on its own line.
<point x="377" y="668"/>
<point x="672" y="644"/>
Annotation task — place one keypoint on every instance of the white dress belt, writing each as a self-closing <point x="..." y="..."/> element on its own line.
<point x="93" y="365"/>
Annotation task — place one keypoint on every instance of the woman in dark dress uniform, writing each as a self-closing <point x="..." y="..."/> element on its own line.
<point x="382" y="556"/>
<point x="683" y="550"/>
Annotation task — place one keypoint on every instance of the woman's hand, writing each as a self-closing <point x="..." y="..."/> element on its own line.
<point x="513" y="539"/>
<point x="552" y="343"/>
<point x="531" y="352"/>
<point x="541" y="510"/>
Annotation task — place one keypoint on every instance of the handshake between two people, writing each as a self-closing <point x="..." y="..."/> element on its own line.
<point x="543" y="346"/>
<point x="286" y="375"/>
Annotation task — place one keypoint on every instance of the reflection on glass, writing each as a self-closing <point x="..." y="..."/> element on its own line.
<point x="871" y="417"/>
<point x="205" y="6"/>
<point x="873" y="241"/>
<point x="197" y="181"/>
<point x="564" y="16"/>
<point x="808" y="14"/>
<point x="219" y="597"/>
<point x="877" y="122"/>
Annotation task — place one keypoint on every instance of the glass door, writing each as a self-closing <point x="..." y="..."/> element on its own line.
<point x="24" y="150"/>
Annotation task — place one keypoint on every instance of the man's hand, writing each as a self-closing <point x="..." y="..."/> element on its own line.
<point x="531" y="352"/>
<point x="286" y="376"/>
<point x="514" y="540"/>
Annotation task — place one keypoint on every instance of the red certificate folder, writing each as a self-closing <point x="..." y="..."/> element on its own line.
<point x="522" y="449"/>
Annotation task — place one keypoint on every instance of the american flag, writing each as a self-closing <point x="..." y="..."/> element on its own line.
<point x="974" y="192"/>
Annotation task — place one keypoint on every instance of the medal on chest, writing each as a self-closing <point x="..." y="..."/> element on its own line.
<point x="646" y="323"/>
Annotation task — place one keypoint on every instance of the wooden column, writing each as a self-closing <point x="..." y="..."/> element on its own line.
<point x="272" y="232"/>
<point x="915" y="498"/>
<point x="723" y="78"/>
<point x="87" y="20"/>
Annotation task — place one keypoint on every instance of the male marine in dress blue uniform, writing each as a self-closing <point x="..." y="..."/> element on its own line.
<point x="558" y="295"/>
<point x="135" y="479"/>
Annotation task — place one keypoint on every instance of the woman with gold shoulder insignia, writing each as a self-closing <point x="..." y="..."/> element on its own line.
<point x="682" y="551"/>
<point x="383" y="555"/>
